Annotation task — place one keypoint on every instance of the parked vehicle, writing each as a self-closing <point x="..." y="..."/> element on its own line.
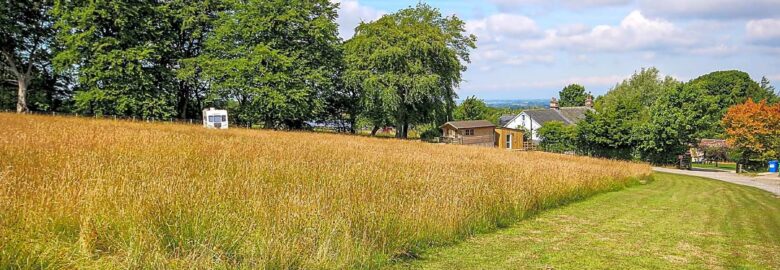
<point x="213" y="118"/>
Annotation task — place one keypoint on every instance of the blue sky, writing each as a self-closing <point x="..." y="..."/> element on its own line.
<point x="532" y="48"/>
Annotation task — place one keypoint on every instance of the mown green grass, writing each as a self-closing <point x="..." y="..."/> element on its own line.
<point x="672" y="223"/>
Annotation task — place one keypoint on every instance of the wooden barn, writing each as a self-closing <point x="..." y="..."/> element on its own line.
<point x="473" y="132"/>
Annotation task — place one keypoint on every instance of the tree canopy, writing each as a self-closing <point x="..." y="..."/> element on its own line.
<point x="407" y="65"/>
<point x="723" y="89"/>
<point x="25" y="46"/>
<point x="753" y="129"/>
<point x="471" y="108"/>
<point x="573" y="95"/>
<point x="273" y="61"/>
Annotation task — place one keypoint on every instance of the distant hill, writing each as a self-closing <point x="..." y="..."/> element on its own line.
<point x="518" y="103"/>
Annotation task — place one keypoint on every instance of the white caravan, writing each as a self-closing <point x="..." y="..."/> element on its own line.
<point x="213" y="118"/>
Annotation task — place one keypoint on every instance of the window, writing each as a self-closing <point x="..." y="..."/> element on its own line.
<point x="217" y="118"/>
<point x="468" y="132"/>
<point x="508" y="141"/>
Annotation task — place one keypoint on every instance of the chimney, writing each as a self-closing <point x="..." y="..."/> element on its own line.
<point x="589" y="102"/>
<point x="554" y="104"/>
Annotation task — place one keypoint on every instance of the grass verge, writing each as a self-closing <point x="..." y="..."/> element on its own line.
<point x="672" y="223"/>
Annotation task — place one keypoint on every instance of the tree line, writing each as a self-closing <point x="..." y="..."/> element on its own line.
<point x="653" y="118"/>
<point x="274" y="63"/>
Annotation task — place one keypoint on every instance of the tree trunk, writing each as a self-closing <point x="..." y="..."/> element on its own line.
<point x="21" y="100"/>
<point x="373" y="131"/>
<point x="184" y="99"/>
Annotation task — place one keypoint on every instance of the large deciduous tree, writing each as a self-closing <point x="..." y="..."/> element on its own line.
<point x="573" y="95"/>
<point x="753" y="130"/>
<point x="186" y="27"/>
<point x="134" y="58"/>
<point x="25" y="42"/>
<point x="272" y="61"/>
<point x="676" y="118"/>
<point x="406" y="65"/>
<point x="117" y="50"/>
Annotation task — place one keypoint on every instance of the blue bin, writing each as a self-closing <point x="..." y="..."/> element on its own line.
<point x="773" y="166"/>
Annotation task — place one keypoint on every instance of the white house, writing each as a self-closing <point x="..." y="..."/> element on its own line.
<point x="213" y="118"/>
<point x="532" y="120"/>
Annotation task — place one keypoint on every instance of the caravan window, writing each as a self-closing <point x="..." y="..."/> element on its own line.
<point x="216" y="118"/>
<point x="224" y="118"/>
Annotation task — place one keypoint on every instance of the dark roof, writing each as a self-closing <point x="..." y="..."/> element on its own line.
<point x="567" y="115"/>
<point x="574" y="114"/>
<point x="469" y="124"/>
<point x="542" y="116"/>
<point x="504" y="119"/>
<point x="712" y="143"/>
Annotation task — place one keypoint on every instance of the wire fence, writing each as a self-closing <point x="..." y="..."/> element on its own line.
<point x="172" y="120"/>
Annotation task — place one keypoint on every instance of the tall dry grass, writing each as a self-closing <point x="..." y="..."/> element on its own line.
<point x="78" y="193"/>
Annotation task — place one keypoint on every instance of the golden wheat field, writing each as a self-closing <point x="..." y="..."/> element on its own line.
<point x="83" y="193"/>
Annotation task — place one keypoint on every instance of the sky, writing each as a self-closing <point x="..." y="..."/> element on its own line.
<point x="531" y="49"/>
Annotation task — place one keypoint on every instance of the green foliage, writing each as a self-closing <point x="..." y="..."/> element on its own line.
<point x="723" y="89"/>
<point x="406" y="66"/>
<point x="557" y="137"/>
<point x="27" y="80"/>
<point x="429" y="132"/>
<point x="472" y="108"/>
<point x="675" y="120"/>
<point x="274" y="58"/>
<point x="615" y="130"/>
<point x="116" y="50"/>
<point x="767" y="86"/>
<point x="572" y="95"/>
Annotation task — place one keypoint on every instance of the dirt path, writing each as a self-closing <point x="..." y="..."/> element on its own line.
<point x="763" y="182"/>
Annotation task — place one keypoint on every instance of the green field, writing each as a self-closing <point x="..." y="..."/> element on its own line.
<point x="674" y="222"/>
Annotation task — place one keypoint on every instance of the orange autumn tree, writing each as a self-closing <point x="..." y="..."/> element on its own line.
<point x="753" y="130"/>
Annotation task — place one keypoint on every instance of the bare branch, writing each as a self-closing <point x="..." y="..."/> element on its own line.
<point x="10" y="62"/>
<point x="30" y="60"/>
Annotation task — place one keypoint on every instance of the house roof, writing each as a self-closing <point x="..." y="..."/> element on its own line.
<point x="504" y="119"/>
<point x="712" y="143"/>
<point x="567" y="115"/>
<point x="542" y="116"/>
<point x="469" y="124"/>
<point x="574" y="114"/>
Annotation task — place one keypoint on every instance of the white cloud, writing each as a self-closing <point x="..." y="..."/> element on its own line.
<point x="635" y="32"/>
<point x="572" y="4"/>
<point x="502" y="26"/>
<point x="711" y="9"/>
<point x="765" y="31"/>
<point x="351" y="13"/>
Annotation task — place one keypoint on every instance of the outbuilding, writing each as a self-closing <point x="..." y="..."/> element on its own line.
<point x="509" y="138"/>
<point x="472" y="132"/>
